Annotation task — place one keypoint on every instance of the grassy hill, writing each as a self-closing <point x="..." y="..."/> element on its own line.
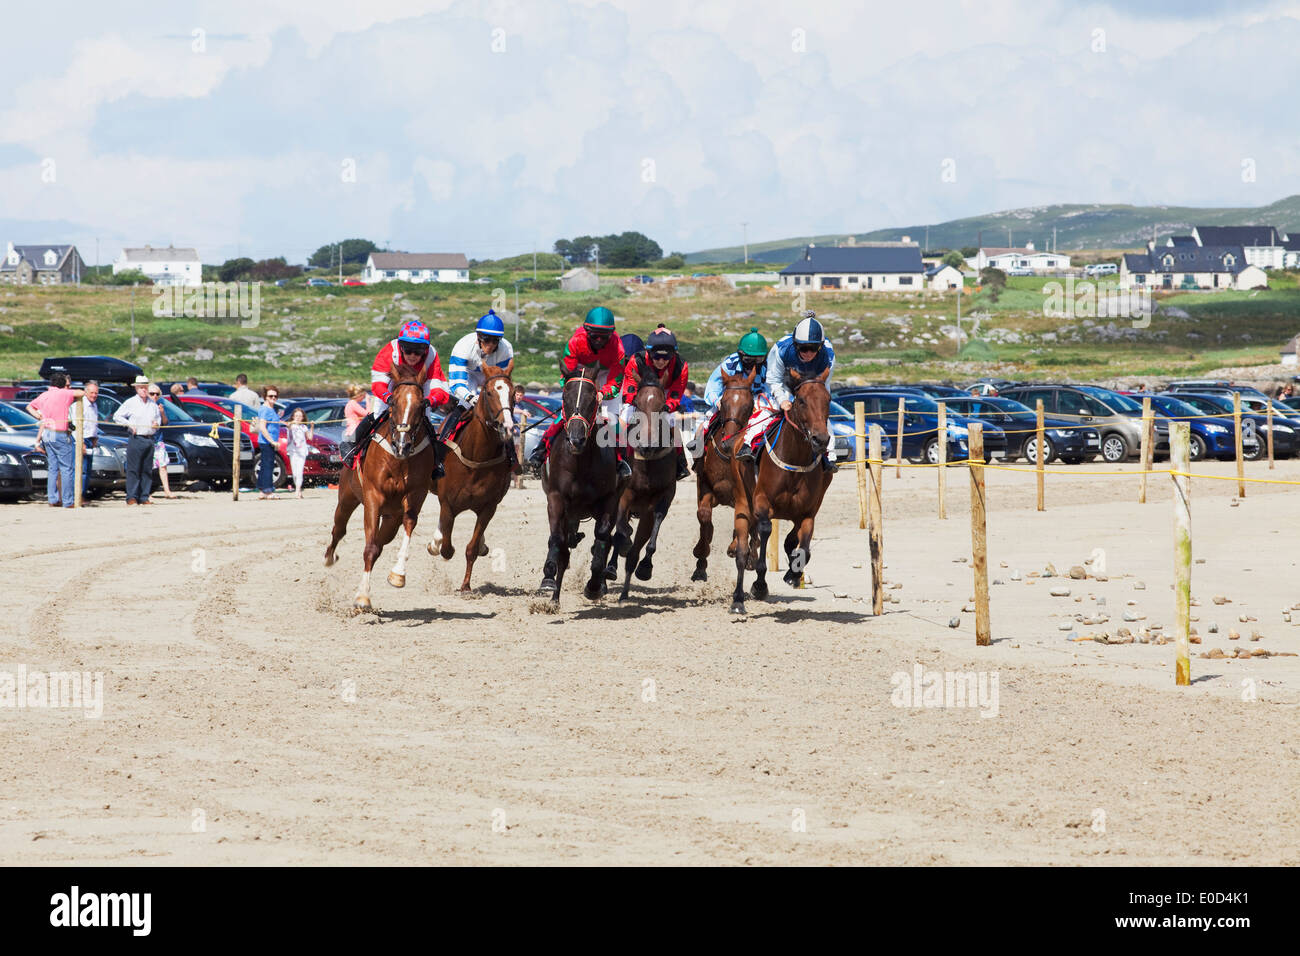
<point x="1078" y="227"/>
<point x="314" y="340"/>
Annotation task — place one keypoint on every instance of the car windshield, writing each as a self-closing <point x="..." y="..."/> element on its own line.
<point x="839" y="411"/>
<point x="912" y="403"/>
<point x="15" y="417"/>
<point x="1209" y="404"/>
<point x="175" y="413"/>
<point x="1175" y="408"/>
<point x="1120" y="403"/>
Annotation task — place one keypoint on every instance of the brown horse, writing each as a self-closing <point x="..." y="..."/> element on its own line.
<point x="392" y="479"/>
<point x="478" y="470"/>
<point x="580" y="479"/>
<point x="650" y="490"/>
<point x="713" y="476"/>
<point x="788" y="483"/>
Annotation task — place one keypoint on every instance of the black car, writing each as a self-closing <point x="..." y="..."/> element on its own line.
<point x="1071" y="442"/>
<point x="106" y="463"/>
<point x="920" y="423"/>
<point x="203" y="451"/>
<point x="15" y="472"/>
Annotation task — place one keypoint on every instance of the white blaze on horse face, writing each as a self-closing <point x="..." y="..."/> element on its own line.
<point x="503" y="393"/>
<point x="400" y="566"/>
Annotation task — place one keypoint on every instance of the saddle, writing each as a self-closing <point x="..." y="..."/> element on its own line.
<point x="763" y="441"/>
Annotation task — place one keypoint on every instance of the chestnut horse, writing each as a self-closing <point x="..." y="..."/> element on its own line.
<point x="713" y="485"/>
<point x="580" y="480"/>
<point x="478" y="470"/>
<point x="788" y="483"/>
<point x="392" y="479"/>
<point x="648" y="493"/>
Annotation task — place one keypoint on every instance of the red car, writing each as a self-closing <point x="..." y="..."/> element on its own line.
<point x="353" y="282"/>
<point x="323" y="460"/>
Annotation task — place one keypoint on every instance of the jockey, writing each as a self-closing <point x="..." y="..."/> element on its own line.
<point x="751" y="353"/>
<point x="660" y="359"/>
<point x="486" y="345"/>
<point x="413" y="349"/>
<point x="807" y="352"/>
<point x="592" y="342"/>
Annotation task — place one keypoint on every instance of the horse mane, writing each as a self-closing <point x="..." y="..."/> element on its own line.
<point x="404" y="373"/>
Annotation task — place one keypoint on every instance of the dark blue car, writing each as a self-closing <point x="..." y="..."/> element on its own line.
<point x="1212" y="437"/>
<point x="920" y="423"/>
<point x="1218" y="407"/>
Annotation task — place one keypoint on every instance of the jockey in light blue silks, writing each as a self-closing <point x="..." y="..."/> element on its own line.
<point x="806" y="351"/>
<point x="486" y="345"/>
<point x="750" y="354"/>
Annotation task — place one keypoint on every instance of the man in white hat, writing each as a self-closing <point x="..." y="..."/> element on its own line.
<point x="141" y="416"/>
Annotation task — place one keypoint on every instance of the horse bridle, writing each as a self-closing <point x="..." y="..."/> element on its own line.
<point x="567" y="417"/>
<point x="722" y="425"/>
<point x="657" y="452"/>
<point x="404" y="428"/>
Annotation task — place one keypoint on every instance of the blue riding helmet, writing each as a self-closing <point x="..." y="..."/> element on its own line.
<point x="490" y="324"/>
<point x="809" y="331"/>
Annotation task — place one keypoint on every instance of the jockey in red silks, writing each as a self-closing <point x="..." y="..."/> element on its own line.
<point x="413" y="349"/>
<point x="659" y="359"/>
<point x="594" y="342"/>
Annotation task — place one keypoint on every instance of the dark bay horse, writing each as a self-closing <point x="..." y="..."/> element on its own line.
<point x="713" y="475"/>
<point x="580" y="480"/>
<point x="392" y="479"/>
<point x="478" y="470"/>
<point x="647" y="494"/>
<point x="789" y="483"/>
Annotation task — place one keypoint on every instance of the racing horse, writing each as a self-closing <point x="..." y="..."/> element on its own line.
<point x="650" y="490"/>
<point x="478" y="473"/>
<point x="391" y="480"/>
<point x="788" y="482"/>
<point x="713" y="479"/>
<point x="580" y="481"/>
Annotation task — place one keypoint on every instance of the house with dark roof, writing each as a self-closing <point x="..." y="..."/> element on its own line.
<point x="892" y="266"/>
<point x="943" y="277"/>
<point x="1190" y="267"/>
<point x="415" y="267"/>
<point x="41" y="265"/>
<point x="1264" y="245"/>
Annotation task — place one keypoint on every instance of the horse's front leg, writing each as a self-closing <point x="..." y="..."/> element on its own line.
<point x="441" y="544"/>
<point x="646" y="568"/>
<point x="600" y="549"/>
<point x="477" y="546"/>
<point x="799" y="556"/>
<point x="557" y="550"/>
<point x="634" y="549"/>
<point x="349" y="499"/>
<point x="380" y="530"/>
<point x="704" y="515"/>
<point x="742" y="544"/>
<point x="397" y="576"/>
<point x="763" y="521"/>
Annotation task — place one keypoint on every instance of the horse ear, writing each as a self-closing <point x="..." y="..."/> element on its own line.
<point x="825" y="374"/>
<point x="794" y="375"/>
<point x="509" y="370"/>
<point x="753" y="372"/>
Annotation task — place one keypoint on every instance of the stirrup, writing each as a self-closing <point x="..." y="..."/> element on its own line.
<point x="745" y="451"/>
<point x="624" y="469"/>
<point x="828" y="465"/>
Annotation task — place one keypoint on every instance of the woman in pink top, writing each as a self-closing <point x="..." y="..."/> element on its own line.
<point x="355" y="410"/>
<point x="52" y="407"/>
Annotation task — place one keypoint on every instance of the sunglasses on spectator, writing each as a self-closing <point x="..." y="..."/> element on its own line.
<point x="272" y="396"/>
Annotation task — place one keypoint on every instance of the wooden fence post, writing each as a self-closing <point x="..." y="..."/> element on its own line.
<point x="1241" y="467"/>
<point x="774" y="546"/>
<point x="943" y="460"/>
<point x="860" y="438"/>
<point x="1179" y="455"/>
<point x="1270" y="435"/>
<point x="79" y="467"/>
<point x="978" y="535"/>
<point x="234" y="460"/>
<point x="1039" y="433"/>
<point x="1147" y="438"/>
<point x="875" y="535"/>
<point x="898" y="460"/>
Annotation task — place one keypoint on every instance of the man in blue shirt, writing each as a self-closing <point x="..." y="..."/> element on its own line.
<point x="268" y="430"/>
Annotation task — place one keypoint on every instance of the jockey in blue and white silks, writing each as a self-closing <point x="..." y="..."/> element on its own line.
<point x="486" y="345"/>
<point x="806" y="351"/>
<point x="751" y="354"/>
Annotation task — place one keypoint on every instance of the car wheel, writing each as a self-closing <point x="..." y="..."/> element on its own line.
<point x="1031" y="450"/>
<point x="1250" y="452"/>
<point x="1198" y="448"/>
<point x="1114" y="448"/>
<point x="930" y="452"/>
<point x="278" y="476"/>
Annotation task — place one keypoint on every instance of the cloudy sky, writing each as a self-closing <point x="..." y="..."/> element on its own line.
<point x="269" y="127"/>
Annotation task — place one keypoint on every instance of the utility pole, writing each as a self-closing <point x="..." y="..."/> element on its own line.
<point x="133" y="285"/>
<point x="1053" y="240"/>
<point x="927" y="239"/>
<point x="97" y="258"/>
<point x="745" y="233"/>
<point x="534" y="262"/>
<point x="340" y="245"/>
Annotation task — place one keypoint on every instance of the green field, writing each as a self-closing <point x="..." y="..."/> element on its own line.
<point x="316" y="340"/>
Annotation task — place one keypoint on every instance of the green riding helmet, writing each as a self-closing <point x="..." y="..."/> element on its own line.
<point x="599" y="318"/>
<point x="753" y="344"/>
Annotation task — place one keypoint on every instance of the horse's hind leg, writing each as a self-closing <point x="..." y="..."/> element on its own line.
<point x="397" y="576"/>
<point x="704" y="515"/>
<point x="348" y="501"/>
<point x="643" y="530"/>
<point x="441" y="543"/>
<point x="477" y="545"/>
<point x="800" y="555"/>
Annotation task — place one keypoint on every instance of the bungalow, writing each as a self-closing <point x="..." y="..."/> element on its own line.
<point x="1006" y="259"/>
<point x="41" y="265"/>
<point x="1264" y="245"/>
<point x="415" y="267"/>
<point x="943" y="278"/>
<point x="860" y="268"/>
<point x="1190" y="267"/>
<point x="579" y="280"/>
<point x="170" y="266"/>
<point x="1289" y="356"/>
<point x="1291" y="252"/>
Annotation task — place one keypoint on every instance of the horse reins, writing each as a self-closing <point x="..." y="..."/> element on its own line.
<point x="581" y="379"/>
<point x="786" y="466"/>
<point x="403" y="428"/>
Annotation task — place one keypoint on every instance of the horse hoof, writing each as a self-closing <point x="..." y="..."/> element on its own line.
<point x="737" y="607"/>
<point x="361" y="606"/>
<point x="644" y="570"/>
<point x="794" y="579"/>
<point x="700" y="575"/>
<point x="397" y="580"/>
<point x="611" y="573"/>
<point x="329" y="560"/>
<point x="482" y="549"/>
<point x="433" y="552"/>
<point x="759" y="590"/>
<point x="595" y="590"/>
<point x="548" y="586"/>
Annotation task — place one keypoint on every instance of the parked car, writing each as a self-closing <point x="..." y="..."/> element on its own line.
<point x="1211" y="436"/>
<point x="1214" y="387"/>
<point x="319" y="282"/>
<point x="1019" y="271"/>
<point x="323" y="460"/>
<point x="1117" y="418"/>
<point x="920" y="423"/>
<point x="988" y="386"/>
<point x="1286" y="437"/>
<point x="1101" y="269"/>
<point x="325" y="413"/>
<point x="218" y="389"/>
<point x="15" y="472"/>
<point x="353" y="282"/>
<point x="195" y="451"/>
<point x="845" y="432"/>
<point x="1069" y="441"/>
<point x="106" y="461"/>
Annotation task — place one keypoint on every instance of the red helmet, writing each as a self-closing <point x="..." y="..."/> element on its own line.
<point x="415" y="332"/>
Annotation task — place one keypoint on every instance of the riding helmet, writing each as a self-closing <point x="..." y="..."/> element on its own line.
<point x="809" y="331"/>
<point x="599" y="319"/>
<point x="414" y="331"/>
<point x="490" y="324"/>
<point x="662" y="342"/>
<point x="753" y="344"/>
<point x="631" y="343"/>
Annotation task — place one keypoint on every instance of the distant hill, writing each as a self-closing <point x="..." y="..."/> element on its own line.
<point x="1078" y="227"/>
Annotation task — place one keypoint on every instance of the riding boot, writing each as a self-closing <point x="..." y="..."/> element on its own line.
<point x="683" y="470"/>
<point x="538" y="456"/>
<point x="439" y="453"/>
<point x="745" y="451"/>
<point x="359" y="437"/>
<point x="624" y="468"/>
<point x="828" y="465"/>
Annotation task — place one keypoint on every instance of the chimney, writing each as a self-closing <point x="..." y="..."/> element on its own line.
<point x="1029" y="247"/>
<point x="907" y="239"/>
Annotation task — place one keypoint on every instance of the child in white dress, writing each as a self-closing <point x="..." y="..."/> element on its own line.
<point x="299" y="434"/>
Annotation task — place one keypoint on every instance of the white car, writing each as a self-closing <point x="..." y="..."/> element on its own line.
<point x="1102" y="269"/>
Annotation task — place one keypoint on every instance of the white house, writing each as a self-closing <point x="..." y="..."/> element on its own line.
<point x="579" y="280"/>
<point x="1265" y="246"/>
<point x="1026" y="257"/>
<point x="1288" y="353"/>
<point x="170" y="266"/>
<point x="1291" y="252"/>
<point x="892" y="266"/>
<point x="415" y="267"/>
<point x="1190" y="267"/>
<point x="943" y="278"/>
<point x="41" y="265"/>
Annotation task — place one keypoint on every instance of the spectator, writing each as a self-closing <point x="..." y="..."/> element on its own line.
<point x="177" y="390"/>
<point x="141" y="416"/>
<point x="297" y="448"/>
<point x="89" y="429"/>
<point x="354" y="410"/>
<point x="192" y="386"/>
<point x="52" y="407"/>
<point x="268" y="430"/>
<point x="160" y="447"/>
<point x="521" y="419"/>
<point x="243" y="394"/>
